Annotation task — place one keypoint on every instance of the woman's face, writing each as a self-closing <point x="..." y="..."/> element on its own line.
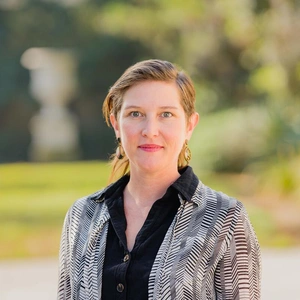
<point x="152" y="126"/>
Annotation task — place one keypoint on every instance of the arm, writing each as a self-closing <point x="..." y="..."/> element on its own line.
<point x="64" y="285"/>
<point x="238" y="272"/>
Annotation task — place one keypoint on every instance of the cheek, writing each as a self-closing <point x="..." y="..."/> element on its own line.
<point x="176" y="137"/>
<point x="128" y="131"/>
<point x="178" y="130"/>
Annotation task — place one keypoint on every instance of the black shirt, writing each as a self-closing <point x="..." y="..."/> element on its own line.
<point x="126" y="274"/>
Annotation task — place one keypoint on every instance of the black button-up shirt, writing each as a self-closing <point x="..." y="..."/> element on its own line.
<point x="126" y="274"/>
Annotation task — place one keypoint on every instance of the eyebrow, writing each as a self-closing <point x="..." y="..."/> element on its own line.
<point x="139" y="107"/>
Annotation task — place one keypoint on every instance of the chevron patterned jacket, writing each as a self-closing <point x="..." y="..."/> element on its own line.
<point x="209" y="252"/>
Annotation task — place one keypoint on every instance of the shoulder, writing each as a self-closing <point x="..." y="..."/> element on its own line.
<point x="205" y="195"/>
<point x="88" y="204"/>
<point x="85" y="205"/>
<point x="218" y="210"/>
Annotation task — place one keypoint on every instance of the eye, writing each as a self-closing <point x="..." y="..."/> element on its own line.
<point x="135" y="114"/>
<point x="166" y="114"/>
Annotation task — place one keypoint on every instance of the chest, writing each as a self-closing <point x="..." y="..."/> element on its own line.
<point x="182" y="259"/>
<point x="135" y="219"/>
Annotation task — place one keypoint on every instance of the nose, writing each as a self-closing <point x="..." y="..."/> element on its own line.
<point x="150" y="128"/>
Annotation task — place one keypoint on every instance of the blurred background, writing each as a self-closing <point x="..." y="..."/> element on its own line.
<point x="58" y="59"/>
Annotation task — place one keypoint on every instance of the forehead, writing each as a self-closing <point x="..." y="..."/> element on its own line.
<point x="152" y="92"/>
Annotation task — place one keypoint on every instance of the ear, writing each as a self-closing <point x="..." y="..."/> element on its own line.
<point x="193" y="121"/>
<point x="115" y="125"/>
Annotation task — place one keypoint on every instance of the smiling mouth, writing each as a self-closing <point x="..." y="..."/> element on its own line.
<point x="150" y="147"/>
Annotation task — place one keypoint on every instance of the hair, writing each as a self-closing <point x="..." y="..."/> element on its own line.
<point x="154" y="70"/>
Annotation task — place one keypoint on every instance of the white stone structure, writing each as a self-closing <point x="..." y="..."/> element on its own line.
<point x="54" y="129"/>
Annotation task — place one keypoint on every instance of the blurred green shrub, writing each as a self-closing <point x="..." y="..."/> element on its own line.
<point x="233" y="139"/>
<point x="242" y="55"/>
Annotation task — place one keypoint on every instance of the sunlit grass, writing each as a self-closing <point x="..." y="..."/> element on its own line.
<point x="34" y="199"/>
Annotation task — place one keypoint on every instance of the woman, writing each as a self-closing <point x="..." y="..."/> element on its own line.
<point x="157" y="232"/>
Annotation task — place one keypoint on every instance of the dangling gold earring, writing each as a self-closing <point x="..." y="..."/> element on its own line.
<point x="120" y="151"/>
<point x="187" y="152"/>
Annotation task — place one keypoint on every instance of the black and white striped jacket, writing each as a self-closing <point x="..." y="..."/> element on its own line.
<point x="209" y="252"/>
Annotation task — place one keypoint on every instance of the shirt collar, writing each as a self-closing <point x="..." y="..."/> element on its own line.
<point x="185" y="185"/>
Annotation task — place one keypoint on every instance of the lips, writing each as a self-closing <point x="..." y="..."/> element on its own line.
<point x="150" y="147"/>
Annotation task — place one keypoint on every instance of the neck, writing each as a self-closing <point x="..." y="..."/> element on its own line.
<point x="145" y="189"/>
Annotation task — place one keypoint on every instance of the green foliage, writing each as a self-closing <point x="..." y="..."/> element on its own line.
<point x="229" y="139"/>
<point x="280" y="173"/>
<point x="233" y="139"/>
<point x="101" y="59"/>
<point x="243" y="56"/>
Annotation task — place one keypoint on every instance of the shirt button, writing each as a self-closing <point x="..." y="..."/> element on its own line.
<point x="126" y="258"/>
<point x="120" y="287"/>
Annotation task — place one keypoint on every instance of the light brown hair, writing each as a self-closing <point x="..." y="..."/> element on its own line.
<point x="153" y="69"/>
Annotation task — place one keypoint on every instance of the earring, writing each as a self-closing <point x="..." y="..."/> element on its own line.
<point x="120" y="151"/>
<point x="187" y="152"/>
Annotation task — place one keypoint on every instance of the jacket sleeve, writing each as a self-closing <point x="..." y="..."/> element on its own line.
<point x="238" y="273"/>
<point x="64" y="283"/>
